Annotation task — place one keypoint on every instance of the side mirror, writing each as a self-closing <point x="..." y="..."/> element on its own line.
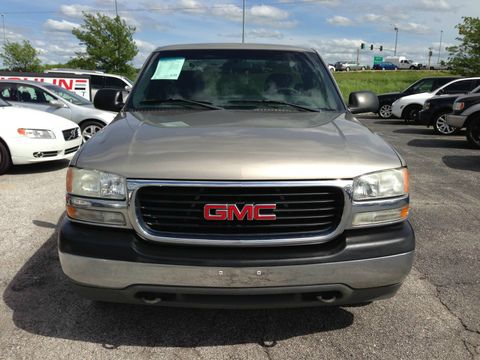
<point x="362" y="102"/>
<point x="109" y="99"/>
<point x="56" y="103"/>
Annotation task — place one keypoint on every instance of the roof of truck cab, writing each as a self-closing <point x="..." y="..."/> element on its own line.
<point x="234" y="46"/>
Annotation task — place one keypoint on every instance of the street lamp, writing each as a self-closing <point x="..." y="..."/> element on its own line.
<point x="396" y="38"/>
<point x="440" y="46"/>
<point x="243" y="23"/>
<point x="4" y="36"/>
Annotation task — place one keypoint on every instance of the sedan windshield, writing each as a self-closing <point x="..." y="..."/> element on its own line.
<point x="236" y="79"/>
<point x="68" y="95"/>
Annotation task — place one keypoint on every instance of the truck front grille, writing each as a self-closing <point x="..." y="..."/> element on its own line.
<point x="300" y="210"/>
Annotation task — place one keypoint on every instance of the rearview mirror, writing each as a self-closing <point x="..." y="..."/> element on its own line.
<point x="109" y="99"/>
<point x="362" y="102"/>
<point x="56" y="103"/>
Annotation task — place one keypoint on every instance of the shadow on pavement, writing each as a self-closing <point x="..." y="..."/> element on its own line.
<point x="417" y="131"/>
<point x="390" y="122"/>
<point x="43" y="304"/>
<point x="38" y="167"/>
<point x="458" y="162"/>
<point x="440" y="143"/>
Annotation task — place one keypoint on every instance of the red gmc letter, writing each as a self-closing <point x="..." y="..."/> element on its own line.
<point x="259" y="216"/>
<point x="220" y="213"/>
<point x="234" y="212"/>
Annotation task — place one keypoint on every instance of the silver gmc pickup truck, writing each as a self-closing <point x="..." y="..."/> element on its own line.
<point x="235" y="176"/>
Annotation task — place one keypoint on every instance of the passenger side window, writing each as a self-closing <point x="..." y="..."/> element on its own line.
<point x="33" y="95"/>
<point x="423" y="86"/>
<point x="97" y="82"/>
<point x="111" y="82"/>
<point x="459" y="87"/>
<point x="8" y="92"/>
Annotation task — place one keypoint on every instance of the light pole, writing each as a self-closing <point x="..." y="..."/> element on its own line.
<point x="116" y="8"/>
<point x="243" y="23"/>
<point x="396" y="39"/>
<point x="440" y="46"/>
<point x="4" y="36"/>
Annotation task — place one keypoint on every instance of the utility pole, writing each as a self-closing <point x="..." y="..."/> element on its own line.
<point x="358" y="56"/>
<point x="429" y="57"/>
<point x="396" y="39"/>
<point x="116" y="8"/>
<point x="440" y="46"/>
<point x="243" y="23"/>
<point x="4" y="36"/>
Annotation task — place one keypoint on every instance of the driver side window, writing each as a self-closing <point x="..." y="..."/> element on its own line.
<point x="33" y="95"/>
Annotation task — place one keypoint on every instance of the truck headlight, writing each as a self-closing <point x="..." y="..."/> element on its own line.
<point x="36" y="133"/>
<point x="96" y="184"/>
<point x="458" y="106"/>
<point x="381" y="184"/>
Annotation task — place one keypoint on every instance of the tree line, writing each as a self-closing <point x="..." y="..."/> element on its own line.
<point x="109" y="46"/>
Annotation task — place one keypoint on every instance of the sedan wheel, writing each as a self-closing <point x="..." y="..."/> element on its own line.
<point x="5" y="161"/>
<point x="90" y="128"/>
<point x="473" y="133"/>
<point x="385" y="111"/>
<point x="441" y="127"/>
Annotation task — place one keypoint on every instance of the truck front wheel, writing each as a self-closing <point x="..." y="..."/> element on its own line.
<point x="440" y="126"/>
<point x="473" y="133"/>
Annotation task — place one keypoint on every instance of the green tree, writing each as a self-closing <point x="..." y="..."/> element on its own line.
<point x="108" y="44"/>
<point x="20" y="56"/>
<point x="465" y="57"/>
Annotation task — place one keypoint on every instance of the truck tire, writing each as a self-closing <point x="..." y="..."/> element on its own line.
<point x="411" y="112"/>
<point x="473" y="133"/>
<point x="89" y="128"/>
<point x="413" y="67"/>
<point x="385" y="111"/>
<point x="363" y="68"/>
<point x="5" y="161"/>
<point x="440" y="126"/>
<point x="347" y="69"/>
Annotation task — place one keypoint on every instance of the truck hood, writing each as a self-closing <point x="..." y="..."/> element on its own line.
<point x="236" y="145"/>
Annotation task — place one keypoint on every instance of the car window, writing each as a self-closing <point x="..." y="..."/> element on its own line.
<point x="8" y="92"/>
<point x="459" y="87"/>
<point x="68" y="95"/>
<point x="230" y="78"/>
<point x="32" y="94"/>
<point x="112" y="82"/>
<point x="97" y="81"/>
<point x="425" y="85"/>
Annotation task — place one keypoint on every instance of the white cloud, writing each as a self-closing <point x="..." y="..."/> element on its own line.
<point x="433" y="5"/>
<point x="268" y="12"/>
<point x="192" y="6"/>
<point x="340" y="20"/>
<point x="75" y="10"/>
<point x="63" y="25"/>
<point x="371" y="17"/>
<point x="414" y="28"/>
<point x="264" y="34"/>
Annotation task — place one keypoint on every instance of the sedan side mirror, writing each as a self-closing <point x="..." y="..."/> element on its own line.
<point x="362" y="102"/>
<point x="109" y="99"/>
<point x="56" y="103"/>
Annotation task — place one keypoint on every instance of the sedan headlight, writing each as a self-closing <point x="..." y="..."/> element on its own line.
<point x="426" y="105"/>
<point x="95" y="184"/>
<point x="36" y="133"/>
<point x="381" y="184"/>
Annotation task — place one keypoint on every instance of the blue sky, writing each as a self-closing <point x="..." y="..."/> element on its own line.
<point x="334" y="27"/>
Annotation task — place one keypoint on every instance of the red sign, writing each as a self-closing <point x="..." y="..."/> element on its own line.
<point x="232" y="212"/>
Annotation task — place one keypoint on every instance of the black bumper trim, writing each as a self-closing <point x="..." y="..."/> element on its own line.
<point x="125" y="245"/>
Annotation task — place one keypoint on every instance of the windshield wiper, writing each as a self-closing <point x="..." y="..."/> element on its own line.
<point x="182" y="101"/>
<point x="274" y="102"/>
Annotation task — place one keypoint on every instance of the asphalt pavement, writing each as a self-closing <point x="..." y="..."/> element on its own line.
<point x="435" y="315"/>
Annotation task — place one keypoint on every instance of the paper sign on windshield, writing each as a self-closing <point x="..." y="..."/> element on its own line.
<point x="168" y="69"/>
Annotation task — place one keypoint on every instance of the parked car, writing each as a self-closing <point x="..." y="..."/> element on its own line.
<point x="435" y="112"/>
<point x="56" y="100"/>
<point x="235" y="176"/>
<point x="98" y="79"/>
<point x="466" y="114"/>
<point x="30" y="136"/>
<point x="348" y="65"/>
<point x="385" y="66"/>
<point x="408" y="107"/>
<point x="428" y="84"/>
<point x="403" y="63"/>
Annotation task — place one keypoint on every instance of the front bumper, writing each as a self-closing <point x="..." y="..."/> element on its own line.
<point x="397" y="110"/>
<point x="115" y="265"/>
<point x="424" y="117"/>
<point x="457" y="121"/>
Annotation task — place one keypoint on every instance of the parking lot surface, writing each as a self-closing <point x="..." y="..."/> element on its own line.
<point x="435" y="315"/>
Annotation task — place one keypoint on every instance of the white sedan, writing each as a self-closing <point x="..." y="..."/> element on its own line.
<point x="29" y="136"/>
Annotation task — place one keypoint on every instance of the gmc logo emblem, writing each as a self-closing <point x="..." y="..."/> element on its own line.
<point x="231" y="212"/>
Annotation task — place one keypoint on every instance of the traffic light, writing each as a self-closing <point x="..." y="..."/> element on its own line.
<point x="362" y="46"/>
<point x="371" y="47"/>
<point x="381" y="47"/>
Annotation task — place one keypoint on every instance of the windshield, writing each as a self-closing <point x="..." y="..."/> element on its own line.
<point x="3" y="103"/>
<point x="68" y="95"/>
<point x="235" y="79"/>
